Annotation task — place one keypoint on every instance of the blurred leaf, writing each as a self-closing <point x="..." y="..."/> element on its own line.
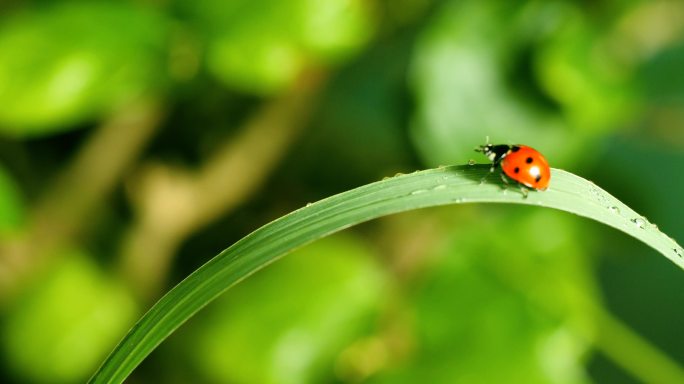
<point x="662" y="78"/>
<point x="66" y="63"/>
<point x="538" y="72"/>
<point x="63" y="326"/>
<point x="463" y="93"/>
<point x="11" y="204"/>
<point x="262" y="48"/>
<point x="263" y="333"/>
<point x="579" y="68"/>
<point x="509" y="299"/>
<point x="447" y="185"/>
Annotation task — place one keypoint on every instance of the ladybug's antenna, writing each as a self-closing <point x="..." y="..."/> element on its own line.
<point x="481" y="148"/>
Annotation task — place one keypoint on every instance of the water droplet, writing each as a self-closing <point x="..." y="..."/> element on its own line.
<point x="471" y="162"/>
<point x="614" y="209"/>
<point x="309" y="204"/>
<point x="596" y="192"/>
<point x="445" y="177"/>
<point x="458" y="199"/>
<point x="505" y="191"/>
<point x="398" y="174"/>
<point x="419" y="191"/>
<point x="439" y="187"/>
<point x="639" y="222"/>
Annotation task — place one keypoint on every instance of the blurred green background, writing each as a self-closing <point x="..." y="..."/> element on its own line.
<point x="140" y="138"/>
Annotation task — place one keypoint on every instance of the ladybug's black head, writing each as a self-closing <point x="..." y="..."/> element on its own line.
<point x="495" y="153"/>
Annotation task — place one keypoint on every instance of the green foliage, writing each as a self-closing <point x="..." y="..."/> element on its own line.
<point x="148" y="135"/>
<point x="67" y="63"/>
<point x="530" y="328"/>
<point x="11" y="204"/>
<point x="262" y="48"/>
<point x="582" y="68"/>
<point x="65" y="323"/>
<point x="460" y="79"/>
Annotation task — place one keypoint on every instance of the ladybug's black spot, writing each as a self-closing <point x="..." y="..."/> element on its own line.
<point x="515" y="148"/>
<point x="529" y="160"/>
<point x="537" y="178"/>
<point x="516" y="170"/>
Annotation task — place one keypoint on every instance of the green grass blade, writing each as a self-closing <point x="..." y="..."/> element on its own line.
<point x="433" y="187"/>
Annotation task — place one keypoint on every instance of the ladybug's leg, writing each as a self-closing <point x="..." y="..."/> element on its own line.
<point x="491" y="170"/>
<point x="504" y="179"/>
<point x="507" y="183"/>
<point x="523" y="189"/>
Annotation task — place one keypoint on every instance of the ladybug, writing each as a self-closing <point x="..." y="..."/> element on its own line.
<point x="521" y="163"/>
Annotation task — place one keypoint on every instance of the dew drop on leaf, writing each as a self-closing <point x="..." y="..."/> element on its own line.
<point x="638" y="222"/>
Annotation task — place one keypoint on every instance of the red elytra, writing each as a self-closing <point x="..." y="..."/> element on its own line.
<point x="521" y="163"/>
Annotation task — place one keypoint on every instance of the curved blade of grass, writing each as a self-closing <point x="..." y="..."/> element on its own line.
<point x="433" y="187"/>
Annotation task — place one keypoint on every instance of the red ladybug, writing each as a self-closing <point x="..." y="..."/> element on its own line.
<point x="520" y="163"/>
